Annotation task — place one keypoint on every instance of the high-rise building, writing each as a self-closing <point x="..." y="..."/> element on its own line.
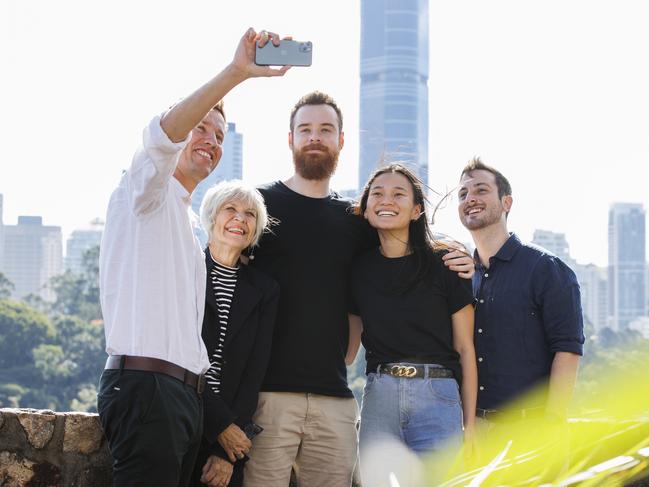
<point x="394" y="86"/>
<point x="230" y="167"/>
<point x="81" y="240"/>
<point x="2" y="236"/>
<point x="592" y="279"/>
<point x="33" y="253"/>
<point x="626" y="264"/>
<point x="594" y="294"/>
<point x="554" y="242"/>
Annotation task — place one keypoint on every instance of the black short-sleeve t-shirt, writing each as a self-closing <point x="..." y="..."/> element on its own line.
<point x="403" y="322"/>
<point x="310" y="253"/>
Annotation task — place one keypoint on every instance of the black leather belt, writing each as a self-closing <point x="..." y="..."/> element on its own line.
<point x="148" y="364"/>
<point x="409" y="371"/>
<point x="498" y="415"/>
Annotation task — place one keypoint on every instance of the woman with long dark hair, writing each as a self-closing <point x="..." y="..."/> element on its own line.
<point x="416" y="317"/>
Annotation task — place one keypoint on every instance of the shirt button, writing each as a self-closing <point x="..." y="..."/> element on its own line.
<point x="481" y="388"/>
<point x="486" y="274"/>
<point x="479" y="330"/>
<point x="482" y="300"/>
<point x="479" y="359"/>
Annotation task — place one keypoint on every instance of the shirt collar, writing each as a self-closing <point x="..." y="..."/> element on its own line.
<point x="506" y="252"/>
<point x="509" y="248"/>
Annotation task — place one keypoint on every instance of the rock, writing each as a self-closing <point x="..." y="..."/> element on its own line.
<point x="14" y="471"/>
<point x="38" y="426"/>
<point x="82" y="434"/>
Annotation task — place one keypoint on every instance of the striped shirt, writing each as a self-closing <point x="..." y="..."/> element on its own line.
<point x="224" y="280"/>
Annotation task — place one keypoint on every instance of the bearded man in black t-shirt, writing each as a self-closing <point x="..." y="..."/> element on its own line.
<point x="308" y="412"/>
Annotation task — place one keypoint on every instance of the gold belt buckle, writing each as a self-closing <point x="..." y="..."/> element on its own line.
<point x="403" y="371"/>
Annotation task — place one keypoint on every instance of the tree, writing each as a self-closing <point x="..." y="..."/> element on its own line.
<point x="78" y="294"/>
<point x="21" y="330"/>
<point x="6" y="287"/>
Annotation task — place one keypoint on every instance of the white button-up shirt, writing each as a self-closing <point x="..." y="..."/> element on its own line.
<point x="151" y="266"/>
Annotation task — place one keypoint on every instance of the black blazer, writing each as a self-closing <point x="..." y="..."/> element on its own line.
<point x="245" y="353"/>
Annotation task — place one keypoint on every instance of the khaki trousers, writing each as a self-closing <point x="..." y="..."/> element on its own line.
<point x="315" y="434"/>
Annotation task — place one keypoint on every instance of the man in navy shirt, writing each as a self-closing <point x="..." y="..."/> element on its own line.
<point x="528" y="320"/>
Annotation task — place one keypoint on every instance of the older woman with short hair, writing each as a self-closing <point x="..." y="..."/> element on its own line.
<point x="240" y="308"/>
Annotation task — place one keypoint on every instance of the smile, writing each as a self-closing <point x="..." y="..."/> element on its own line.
<point x="204" y="154"/>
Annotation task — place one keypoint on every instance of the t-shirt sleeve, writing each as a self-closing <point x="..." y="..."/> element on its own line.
<point x="459" y="292"/>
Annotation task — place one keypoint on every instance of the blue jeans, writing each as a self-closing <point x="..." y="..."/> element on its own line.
<point x="423" y="414"/>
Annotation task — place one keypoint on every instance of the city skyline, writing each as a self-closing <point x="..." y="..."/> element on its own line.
<point x="393" y="112"/>
<point x="562" y="115"/>
<point x="615" y="296"/>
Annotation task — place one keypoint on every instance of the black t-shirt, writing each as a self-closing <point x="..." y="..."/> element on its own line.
<point x="310" y="254"/>
<point x="412" y="325"/>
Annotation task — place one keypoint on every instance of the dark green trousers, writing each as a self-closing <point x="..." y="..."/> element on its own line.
<point x="153" y="424"/>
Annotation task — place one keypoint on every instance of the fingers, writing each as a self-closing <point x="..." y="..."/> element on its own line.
<point x="277" y="71"/>
<point x="264" y="36"/>
<point x="209" y="472"/>
<point x="454" y="254"/>
<point x="231" y="456"/>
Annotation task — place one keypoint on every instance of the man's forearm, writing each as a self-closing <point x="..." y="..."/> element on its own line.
<point x="562" y="382"/>
<point x="186" y="114"/>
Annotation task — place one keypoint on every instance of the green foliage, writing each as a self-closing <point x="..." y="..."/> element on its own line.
<point x="10" y="395"/>
<point x="52" y="354"/>
<point x="78" y="294"/>
<point x="6" y="286"/>
<point x="21" y="329"/>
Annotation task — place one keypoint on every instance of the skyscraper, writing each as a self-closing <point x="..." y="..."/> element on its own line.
<point x="230" y="167"/>
<point x="2" y="236"/>
<point x="626" y="263"/>
<point x="592" y="279"/>
<point x="394" y="85"/>
<point x="33" y="253"/>
<point x="555" y="243"/>
<point x="81" y="240"/>
<point x="594" y="294"/>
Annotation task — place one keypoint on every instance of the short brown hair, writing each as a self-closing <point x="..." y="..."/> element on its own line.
<point x="317" y="98"/>
<point x="475" y="164"/>
<point x="219" y="108"/>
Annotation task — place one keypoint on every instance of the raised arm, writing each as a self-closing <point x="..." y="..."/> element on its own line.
<point x="184" y="116"/>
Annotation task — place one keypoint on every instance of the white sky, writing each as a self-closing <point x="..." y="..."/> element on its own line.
<point x="553" y="93"/>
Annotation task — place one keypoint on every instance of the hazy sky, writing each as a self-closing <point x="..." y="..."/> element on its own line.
<point x="553" y="93"/>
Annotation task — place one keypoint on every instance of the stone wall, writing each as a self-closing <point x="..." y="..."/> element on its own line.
<point x="41" y="448"/>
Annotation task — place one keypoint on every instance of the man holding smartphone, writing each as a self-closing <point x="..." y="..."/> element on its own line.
<point x="306" y="408"/>
<point x="152" y="286"/>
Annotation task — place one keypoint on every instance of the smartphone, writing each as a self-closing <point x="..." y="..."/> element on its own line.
<point x="288" y="53"/>
<point x="251" y="430"/>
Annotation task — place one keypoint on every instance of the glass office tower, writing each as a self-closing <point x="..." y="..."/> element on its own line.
<point x="394" y="85"/>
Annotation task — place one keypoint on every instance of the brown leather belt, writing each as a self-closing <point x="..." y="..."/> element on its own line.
<point x="410" y="371"/>
<point x="148" y="364"/>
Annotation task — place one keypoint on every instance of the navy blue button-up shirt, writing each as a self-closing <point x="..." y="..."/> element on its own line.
<point x="528" y="307"/>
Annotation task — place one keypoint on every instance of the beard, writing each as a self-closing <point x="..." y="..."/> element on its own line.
<point x="488" y="217"/>
<point x="315" y="167"/>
